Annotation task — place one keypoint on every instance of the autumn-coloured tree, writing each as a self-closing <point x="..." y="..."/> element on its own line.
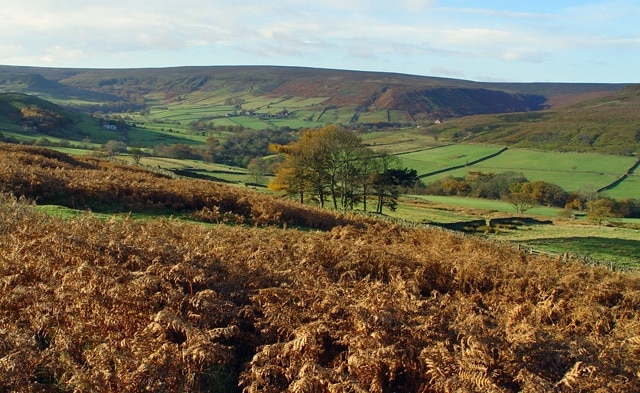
<point x="520" y="197"/>
<point x="322" y="162"/>
<point x="545" y="193"/>
<point x="292" y="175"/>
<point x="332" y="163"/>
<point x="600" y="209"/>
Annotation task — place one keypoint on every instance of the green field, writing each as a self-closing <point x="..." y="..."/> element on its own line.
<point x="215" y="172"/>
<point x="398" y="141"/>
<point x="488" y="205"/>
<point x="214" y="108"/>
<point x="571" y="171"/>
<point x="373" y="117"/>
<point x="629" y="188"/>
<point x="444" y="157"/>
<point x="150" y="137"/>
<point x="341" y="115"/>
<point x="617" y="245"/>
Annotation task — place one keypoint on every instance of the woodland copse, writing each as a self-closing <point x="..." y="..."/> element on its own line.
<point x="523" y="194"/>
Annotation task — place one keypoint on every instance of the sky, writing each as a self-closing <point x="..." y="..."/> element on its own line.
<point x="488" y="41"/>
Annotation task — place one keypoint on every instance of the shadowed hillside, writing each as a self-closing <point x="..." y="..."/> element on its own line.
<point x="83" y="183"/>
<point x="163" y="305"/>
<point x="32" y="115"/>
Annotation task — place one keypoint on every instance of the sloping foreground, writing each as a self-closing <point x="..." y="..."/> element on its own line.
<point x="117" y="306"/>
<point x="50" y="177"/>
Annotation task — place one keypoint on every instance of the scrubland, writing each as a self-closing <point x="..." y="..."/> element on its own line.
<point x="245" y="302"/>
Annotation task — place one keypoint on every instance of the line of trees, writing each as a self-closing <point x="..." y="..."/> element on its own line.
<point x="510" y="186"/>
<point x="236" y="150"/>
<point x="523" y="194"/>
<point x="332" y="165"/>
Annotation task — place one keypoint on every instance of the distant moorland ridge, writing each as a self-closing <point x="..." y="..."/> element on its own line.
<point x="421" y="96"/>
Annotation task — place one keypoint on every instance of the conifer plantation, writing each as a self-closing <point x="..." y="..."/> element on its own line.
<point x="266" y="295"/>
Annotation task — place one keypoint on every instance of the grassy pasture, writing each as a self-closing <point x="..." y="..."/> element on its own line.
<point x="96" y="134"/>
<point x="419" y="209"/>
<point x="571" y="171"/>
<point x="174" y="163"/>
<point x="203" y="101"/>
<point x="294" y="123"/>
<point x="611" y="244"/>
<point x="629" y="188"/>
<point x="298" y="102"/>
<point x="307" y="115"/>
<point x="487" y="205"/>
<point x="566" y="180"/>
<point x="69" y="214"/>
<point x="74" y="151"/>
<point x="212" y="109"/>
<point x="341" y="115"/>
<point x="251" y="122"/>
<point x="373" y="117"/>
<point x="224" y="121"/>
<point x="150" y="137"/>
<point x="68" y="101"/>
<point x="397" y="142"/>
<point x="211" y="171"/>
<point x="446" y="156"/>
<point x="154" y="125"/>
<point x="616" y="245"/>
<point x="398" y="116"/>
<point x="313" y="101"/>
<point x="261" y="103"/>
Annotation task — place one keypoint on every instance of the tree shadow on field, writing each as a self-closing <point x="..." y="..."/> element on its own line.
<point x="623" y="250"/>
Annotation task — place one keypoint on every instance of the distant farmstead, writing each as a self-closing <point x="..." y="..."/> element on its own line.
<point x="111" y="127"/>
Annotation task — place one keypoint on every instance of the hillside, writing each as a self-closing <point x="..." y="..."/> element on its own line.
<point x="33" y="116"/>
<point x="89" y="183"/>
<point x="358" y="306"/>
<point x="422" y="98"/>
<point x="608" y="124"/>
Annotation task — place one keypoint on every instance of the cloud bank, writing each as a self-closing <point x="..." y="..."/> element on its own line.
<point x="577" y="41"/>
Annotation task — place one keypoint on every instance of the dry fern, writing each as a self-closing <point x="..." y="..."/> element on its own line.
<point x="161" y="305"/>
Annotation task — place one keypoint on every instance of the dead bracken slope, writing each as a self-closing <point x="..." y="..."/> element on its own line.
<point x="162" y="305"/>
<point x="50" y="177"/>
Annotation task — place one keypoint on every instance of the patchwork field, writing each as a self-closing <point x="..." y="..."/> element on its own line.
<point x="440" y="158"/>
<point x="571" y="171"/>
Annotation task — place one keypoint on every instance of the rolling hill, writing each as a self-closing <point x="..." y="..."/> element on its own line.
<point x="608" y="124"/>
<point x="30" y="115"/>
<point x="422" y="98"/>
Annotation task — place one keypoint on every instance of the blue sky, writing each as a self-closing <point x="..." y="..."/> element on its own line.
<point x="510" y="41"/>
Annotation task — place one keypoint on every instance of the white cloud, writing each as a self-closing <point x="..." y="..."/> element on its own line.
<point x="524" y="54"/>
<point x="396" y="34"/>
